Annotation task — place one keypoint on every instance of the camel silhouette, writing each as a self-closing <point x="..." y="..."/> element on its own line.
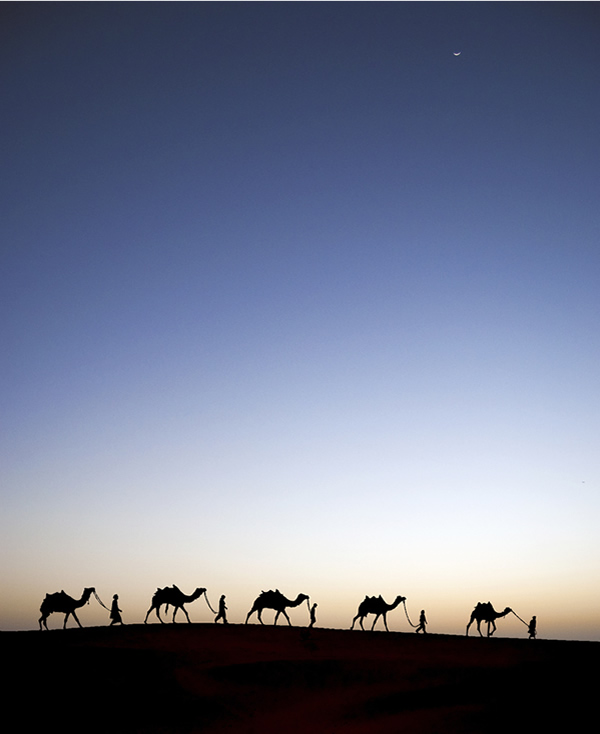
<point x="61" y="602"/>
<point x="377" y="606"/>
<point x="277" y="601"/>
<point x="172" y="595"/>
<point x="485" y="612"/>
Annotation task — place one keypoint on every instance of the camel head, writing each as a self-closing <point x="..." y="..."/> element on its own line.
<point x="88" y="592"/>
<point x="508" y="610"/>
<point x="300" y="598"/>
<point x="198" y="592"/>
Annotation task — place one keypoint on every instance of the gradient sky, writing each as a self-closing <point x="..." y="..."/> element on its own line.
<point x="294" y="297"/>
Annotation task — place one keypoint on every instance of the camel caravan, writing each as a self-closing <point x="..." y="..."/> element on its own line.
<point x="172" y="596"/>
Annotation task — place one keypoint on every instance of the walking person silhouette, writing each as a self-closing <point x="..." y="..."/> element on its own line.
<point x="313" y="615"/>
<point x="115" y="612"/>
<point x="532" y="628"/>
<point x="222" y="609"/>
<point x="422" y="623"/>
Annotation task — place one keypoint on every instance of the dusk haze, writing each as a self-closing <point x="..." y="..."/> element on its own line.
<point x="301" y="297"/>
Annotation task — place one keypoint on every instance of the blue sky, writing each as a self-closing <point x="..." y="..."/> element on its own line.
<point x="294" y="297"/>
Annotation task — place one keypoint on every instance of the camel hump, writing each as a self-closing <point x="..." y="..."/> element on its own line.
<point x="367" y="602"/>
<point x="56" y="596"/>
<point x="55" y="601"/>
<point x="484" y="607"/>
<point x="270" y="596"/>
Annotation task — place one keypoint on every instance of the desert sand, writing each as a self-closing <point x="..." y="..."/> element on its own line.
<point x="187" y="678"/>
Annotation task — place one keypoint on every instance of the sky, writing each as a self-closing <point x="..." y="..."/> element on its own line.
<point x="293" y="296"/>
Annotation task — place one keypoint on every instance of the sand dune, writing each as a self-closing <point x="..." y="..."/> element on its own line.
<point x="207" y="678"/>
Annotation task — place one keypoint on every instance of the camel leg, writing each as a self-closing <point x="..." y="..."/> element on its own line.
<point x="491" y="624"/>
<point x="76" y="619"/>
<point x="260" y="616"/>
<point x="66" y="618"/>
<point x="186" y="614"/>
<point x="42" y="620"/>
<point x="276" y="618"/>
<point x="470" y="623"/>
<point x="361" y="623"/>
<point x="385" y="621"/>
<point x="375" y="622"/>
<point x="148" y="614"/>
<point x="353" y="621"/>
<point x="286" y="616"/>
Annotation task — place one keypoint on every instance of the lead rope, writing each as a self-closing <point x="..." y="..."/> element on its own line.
<point x="522" y="620"/>
<point x="100" y="602"/>
<point x="407" y="617"/>
<point x="209" y="606"/>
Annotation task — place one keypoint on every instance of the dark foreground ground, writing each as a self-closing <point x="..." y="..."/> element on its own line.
<point x="206" y="678"/>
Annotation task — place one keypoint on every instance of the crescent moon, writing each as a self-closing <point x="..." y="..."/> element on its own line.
<point x="456" y="53"/>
